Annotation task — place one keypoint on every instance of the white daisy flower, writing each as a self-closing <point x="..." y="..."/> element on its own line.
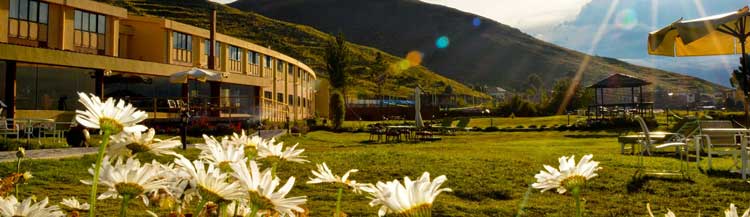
<point x="112" y="114"/>
<point x="72" y="204"/>
<point x="11" y="207"/>
<point x="412" y="198"/>
<point x="732" y="212"/>
<point x="569" y="176"/>
<point x="669" y="212"/>
<point x="222" y="155"/>
<point x="126" y="144"/>
<point x="128" y="178"/>
<point x="261" y="189"/>
<point x="245" y="140"/>
<point x="324" y="175"/>
<point x="269" y="149"/>
<point x="209" y="182"/>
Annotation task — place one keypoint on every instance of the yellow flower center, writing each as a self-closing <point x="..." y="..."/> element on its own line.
<point x="138" y="147"/>
<point x="422" y="210"/>
<point x="573" y="182"/>
<point x="260" y="201"/>
<point x="130" y="189"/>
<point x="210" y="195"/>
<point x="110" y="124"/>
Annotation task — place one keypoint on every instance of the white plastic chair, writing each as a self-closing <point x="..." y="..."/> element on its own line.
<point x="647" y="144"/>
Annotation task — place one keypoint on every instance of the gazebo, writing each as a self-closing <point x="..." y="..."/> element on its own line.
<point x="620" y="96"/>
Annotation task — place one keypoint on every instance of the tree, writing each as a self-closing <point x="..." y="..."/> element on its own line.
<point x="337" y="63"/>
<point x="380" y="74"/>
<point x="534" y="84"/>
<point x="338" y="109"/>
<point x="740" y="81"/>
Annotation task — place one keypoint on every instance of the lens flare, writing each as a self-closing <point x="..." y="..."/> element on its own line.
<point x="442" y="42"/>
<point x="626" y="19"/>
<point x="403" y="65"/>
<point x="414" y="58"/>
<point x="476" y="22"/>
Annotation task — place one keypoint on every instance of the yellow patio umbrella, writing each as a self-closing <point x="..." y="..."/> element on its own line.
<point x="721" y="34"/>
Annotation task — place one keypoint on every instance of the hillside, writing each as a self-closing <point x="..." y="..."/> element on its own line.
<point x="490" y="53"/>
<point x="301" y="42"/>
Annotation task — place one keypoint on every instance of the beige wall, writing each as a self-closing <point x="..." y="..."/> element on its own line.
<point x="4" y="5"/>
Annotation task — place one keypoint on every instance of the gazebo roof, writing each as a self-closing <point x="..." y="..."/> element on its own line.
<point x="620" y="81"/>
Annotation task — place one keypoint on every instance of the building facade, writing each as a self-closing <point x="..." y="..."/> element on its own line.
<point x="51" y="49"/>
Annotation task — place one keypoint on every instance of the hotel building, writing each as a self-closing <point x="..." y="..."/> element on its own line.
<point x="51" y="49"/>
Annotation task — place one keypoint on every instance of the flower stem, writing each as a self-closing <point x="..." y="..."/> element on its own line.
<point x="200" y="206"/>
<point x="18" y="171"/>
<point x="124" y="205"/>
<point x="254" y="210"/>
<point x="95" y="183"/>
<point x="223" y="209"/>
<point x="577" y="196"/>
<point x="236" y="207"/>
<point x="338" y="202"/>
<point x="273" y="168"/>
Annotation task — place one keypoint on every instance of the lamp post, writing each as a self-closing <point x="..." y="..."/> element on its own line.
<point x="666" y="114"/>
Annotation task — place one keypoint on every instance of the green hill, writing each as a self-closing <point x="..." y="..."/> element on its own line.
<point x="301" y="42"/>
<point x="490" y="53"/>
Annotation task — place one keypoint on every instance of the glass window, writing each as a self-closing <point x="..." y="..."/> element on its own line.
<point x="33" y="9"/>
<point x="268" y="61"/>
<point x="280" y="97"/>
<point x="279" y="66"/>
<point x="190" y="42"/>
<point x="92" y="22"/>
<point x="78" y="20"/>
<point x="84" y="21"/>
<point x="102" y="24"/>
<point x="290" y="100"/>
<point x="268" y="94"/>
<point x="24" y="9"/>
<point x="42" y="87"/>
<point x="217" y="47"/>
<point x="43" y="12"/>
<point x="235" y="53"/>
<point x="13" y="8"/>
<point x="207" y="48"/>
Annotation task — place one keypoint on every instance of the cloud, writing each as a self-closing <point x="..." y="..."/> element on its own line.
<point x="223" y="1"/>
<point x="521" y="14"/>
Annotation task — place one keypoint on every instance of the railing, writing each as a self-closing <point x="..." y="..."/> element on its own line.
<point x="223" y="107"/>
<point x="274" y="111"/>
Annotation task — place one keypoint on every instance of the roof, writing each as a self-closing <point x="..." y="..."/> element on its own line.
<point x="619" y="81"/>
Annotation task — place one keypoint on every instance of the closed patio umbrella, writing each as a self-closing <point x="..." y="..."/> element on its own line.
<point x="418" y="107"/>
<point x="722" y="34"/>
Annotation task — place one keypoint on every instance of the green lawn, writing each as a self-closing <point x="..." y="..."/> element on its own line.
<point x="490" y="174"/>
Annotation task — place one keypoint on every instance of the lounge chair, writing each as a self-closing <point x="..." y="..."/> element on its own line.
<point x="647" y="144"/>
<point x="463" y="124"/>
<point x="719" y="138"/>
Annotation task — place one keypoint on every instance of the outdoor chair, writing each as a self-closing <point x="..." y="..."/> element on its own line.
<point x="6" y="129"/>
<point x="647" y="144"/>
<point x="376" y="131"/>
<point x="392" y="134"/>
<point x="718" y="138"/>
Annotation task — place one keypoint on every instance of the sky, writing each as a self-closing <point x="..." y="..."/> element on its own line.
<point x="623" y="24"/>
<point x="573" y="24"/>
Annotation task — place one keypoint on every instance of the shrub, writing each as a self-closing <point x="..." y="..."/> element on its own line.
<point x="519" y="126"/>
<point x="491" y="129"/>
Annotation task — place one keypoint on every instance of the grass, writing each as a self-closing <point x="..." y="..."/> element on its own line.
<point x="490" y="174"/>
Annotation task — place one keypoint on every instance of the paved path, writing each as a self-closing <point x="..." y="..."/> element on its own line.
<point x="6" y="156"/>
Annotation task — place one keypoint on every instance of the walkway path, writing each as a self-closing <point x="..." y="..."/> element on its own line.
<point x="6" y="156"/>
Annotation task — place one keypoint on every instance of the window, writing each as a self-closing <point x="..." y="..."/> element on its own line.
<point x="268" y="95"/>
<point x="290" y="70"/>
<point x="182" y="47"/>
<point x="28" y="21"/>
<point x="217" y="51"/>
<point x="90" y="32"/>
<point x="268" y="61"/>
<point x="280" y="66"/>
<point x="234" y="53"/>
<point x="280" y="97"/>
<point x="290" y="100"/>
<point x="44" y="87"/>
<point x="252" y="57"/>
<point x="298" y="102"/>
